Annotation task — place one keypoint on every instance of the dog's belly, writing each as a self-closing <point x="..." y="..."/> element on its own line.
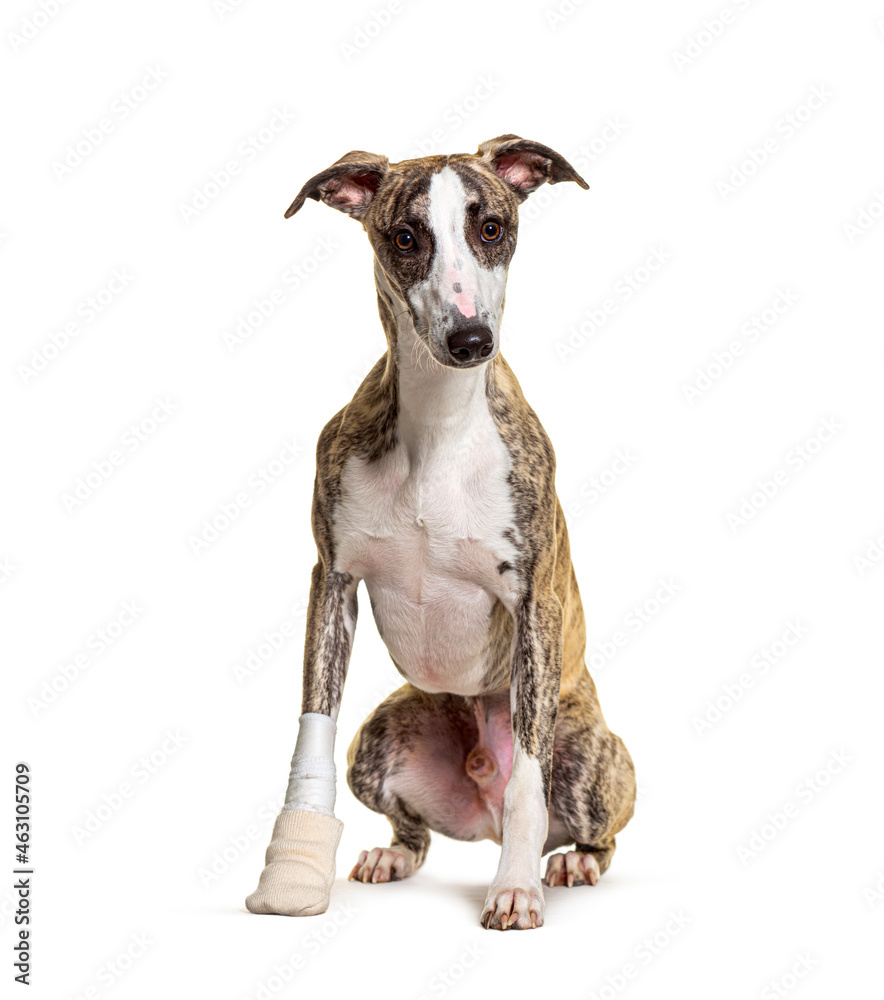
<point x="434" y="547"/>
<point x="433" y="609"/>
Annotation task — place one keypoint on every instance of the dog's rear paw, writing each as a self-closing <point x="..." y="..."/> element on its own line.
<point x="383" y="864"/>
<point x="572" y="868"/>
<point x="509" y="909"/>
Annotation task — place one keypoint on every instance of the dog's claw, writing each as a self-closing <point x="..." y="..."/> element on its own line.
<point x="383" y="864"/>
<point x="572" y="868"/>
<point x="509" y="909"/>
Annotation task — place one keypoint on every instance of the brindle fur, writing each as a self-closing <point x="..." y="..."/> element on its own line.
<point x="587" y="773"/>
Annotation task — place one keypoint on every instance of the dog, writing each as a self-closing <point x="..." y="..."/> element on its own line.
<point x="435" y="486"/>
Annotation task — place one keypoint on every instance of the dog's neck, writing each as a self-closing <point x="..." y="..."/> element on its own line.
<point x="433" y="401"/>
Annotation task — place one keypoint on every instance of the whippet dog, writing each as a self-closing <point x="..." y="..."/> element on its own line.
<point x="435" y="486"/>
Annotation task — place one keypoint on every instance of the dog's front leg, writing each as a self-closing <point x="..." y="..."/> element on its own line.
<point x="300" y="861"/>
<point x="515" y="898"/>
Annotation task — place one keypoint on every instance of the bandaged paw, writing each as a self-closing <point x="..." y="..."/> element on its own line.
<point x="299" y="865"/>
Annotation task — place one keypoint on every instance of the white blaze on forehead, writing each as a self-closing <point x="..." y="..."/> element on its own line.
<point x="456" y="274"/>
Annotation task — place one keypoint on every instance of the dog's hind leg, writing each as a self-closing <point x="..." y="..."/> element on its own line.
<point x="592" y="791"/>
<point x="409" y="761"/>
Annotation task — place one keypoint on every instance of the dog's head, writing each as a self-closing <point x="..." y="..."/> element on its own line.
<point x="443" y="229"/>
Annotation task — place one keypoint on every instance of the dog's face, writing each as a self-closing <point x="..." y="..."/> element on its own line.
<point x="443" y="230"/>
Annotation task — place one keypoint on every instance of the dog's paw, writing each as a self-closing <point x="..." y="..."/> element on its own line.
<point x="572" y="868"/>
<point x="513" y="909"/>
<point x="383" y="864"/>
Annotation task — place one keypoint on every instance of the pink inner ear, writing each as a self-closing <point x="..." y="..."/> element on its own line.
<point x="349" y="192"/>
<point x="525" y="171"/>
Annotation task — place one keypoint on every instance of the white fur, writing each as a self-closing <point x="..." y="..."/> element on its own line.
<point x="525" y="824"/>
<point x="423" y="526"/>
<point x="435" y="300"/>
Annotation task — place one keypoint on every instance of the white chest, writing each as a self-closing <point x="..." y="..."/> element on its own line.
<point x="429" y="529"/>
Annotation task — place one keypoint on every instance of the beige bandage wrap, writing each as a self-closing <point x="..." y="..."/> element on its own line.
<point x="300" y="860"/>
<point x="300" y="865"/>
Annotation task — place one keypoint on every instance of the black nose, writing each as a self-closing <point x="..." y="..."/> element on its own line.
<point x="470" y="343"/>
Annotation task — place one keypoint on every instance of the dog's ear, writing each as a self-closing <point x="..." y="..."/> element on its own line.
<point x="348" y="184"/>
<point x="525" y="165"/>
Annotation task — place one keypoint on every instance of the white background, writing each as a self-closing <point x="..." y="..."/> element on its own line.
<point x="656" y="110"/>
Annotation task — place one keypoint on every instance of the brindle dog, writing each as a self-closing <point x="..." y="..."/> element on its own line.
<point x="435" y="486"/>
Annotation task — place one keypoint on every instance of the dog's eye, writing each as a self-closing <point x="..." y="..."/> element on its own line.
<point x="491" y="231"/>
<point x="403" y="240"/>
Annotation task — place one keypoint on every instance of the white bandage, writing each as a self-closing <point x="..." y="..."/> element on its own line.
<point x="312" y="777"/>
